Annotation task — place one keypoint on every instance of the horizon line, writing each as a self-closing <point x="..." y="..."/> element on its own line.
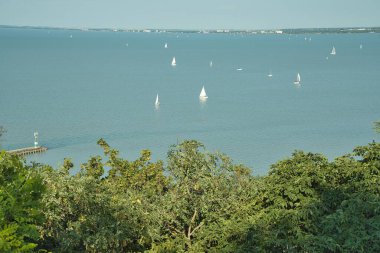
<point x="186" y="29"/>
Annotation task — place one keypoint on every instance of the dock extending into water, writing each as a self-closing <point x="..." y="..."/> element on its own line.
<point x="27" y="151"/>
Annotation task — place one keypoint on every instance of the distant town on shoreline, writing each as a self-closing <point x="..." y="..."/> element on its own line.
<point x="231" y="31"/>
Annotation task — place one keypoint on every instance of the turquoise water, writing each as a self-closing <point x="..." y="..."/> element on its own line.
<point x="94" y="85"/>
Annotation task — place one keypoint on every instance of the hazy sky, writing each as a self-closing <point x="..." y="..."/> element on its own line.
<point x="191" y="14"/>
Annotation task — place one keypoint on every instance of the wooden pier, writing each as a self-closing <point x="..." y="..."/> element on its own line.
<point x="27" y="151"/>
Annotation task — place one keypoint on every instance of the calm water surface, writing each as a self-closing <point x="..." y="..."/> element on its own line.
<point x="76" y="89"/>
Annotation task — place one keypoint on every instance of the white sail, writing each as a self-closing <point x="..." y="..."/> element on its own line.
<point x="298" y="79"/>
<point x="210" y="64"/>
<point x="270" y="74"/>
<point x="174" y="62"/>
<point x="166" y="45"/>
<point x="203" y="94"/>
<point x="333" y="51"/>
<point x="157" y="103"/>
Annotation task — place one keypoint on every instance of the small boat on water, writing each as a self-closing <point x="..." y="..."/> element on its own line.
<point x="166" y="45"/>
<point x="270" y="74"/>
<point x="298" y="79"/>
<point x="157" y="103"/>
<point x="210" y="64"/>
<point x="203" y="94"/>
<point x="239" y="69"/>
<point x="174" y="62"/>
<point x="333" y="51"/>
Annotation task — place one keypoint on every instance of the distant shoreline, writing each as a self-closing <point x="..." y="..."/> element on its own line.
<point x="349" y="30"/>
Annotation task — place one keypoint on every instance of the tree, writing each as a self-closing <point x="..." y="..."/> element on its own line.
<point x="205" y="192"/>
<point x="202" y="202"/>
<point x="354" y="224"/>
<point x="288" y="206"/>
<point x="308" y="204"/>
<point x="138" y="185"/>
<point x="92" y="212"/>
<point x="20" y="193"/>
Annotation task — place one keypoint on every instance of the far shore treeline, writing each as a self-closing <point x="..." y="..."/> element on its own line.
<point x="330" y="30"/>
<point x="195" y="201"/>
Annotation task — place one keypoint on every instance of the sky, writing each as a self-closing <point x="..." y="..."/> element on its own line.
<point x="191" y="14"/>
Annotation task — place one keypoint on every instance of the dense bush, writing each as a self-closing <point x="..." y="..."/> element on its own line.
<point x="21" y="189"/>
<point x="194" y="202"/>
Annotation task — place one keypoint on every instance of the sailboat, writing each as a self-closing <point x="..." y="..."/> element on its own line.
<point x="157" y="103"/>
<point x="210" y="64"/>
<point x="166" y="45"/>
<point x="298" y="79"/>
<point x="203" y="95"/>
<point x="270" y="74"/>
<point x="333" y="51"/>
<point x="173" y="62"/>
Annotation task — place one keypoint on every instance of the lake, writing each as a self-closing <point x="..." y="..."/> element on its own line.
<point x="75" y="87"/>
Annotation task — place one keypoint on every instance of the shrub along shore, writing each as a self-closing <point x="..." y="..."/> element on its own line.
<point x="194" y="201"/>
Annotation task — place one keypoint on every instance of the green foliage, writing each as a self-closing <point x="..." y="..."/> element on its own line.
<point x="76" y="210"/>
<point x="20" y="192"/>
<point x="309" y="204"/>
<point x="205" y="192"/>
<point x="96" y="213"/>
<point x="196" y="201"/>
<point x="289" y="205"/>
<point x="355" y="225"/>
